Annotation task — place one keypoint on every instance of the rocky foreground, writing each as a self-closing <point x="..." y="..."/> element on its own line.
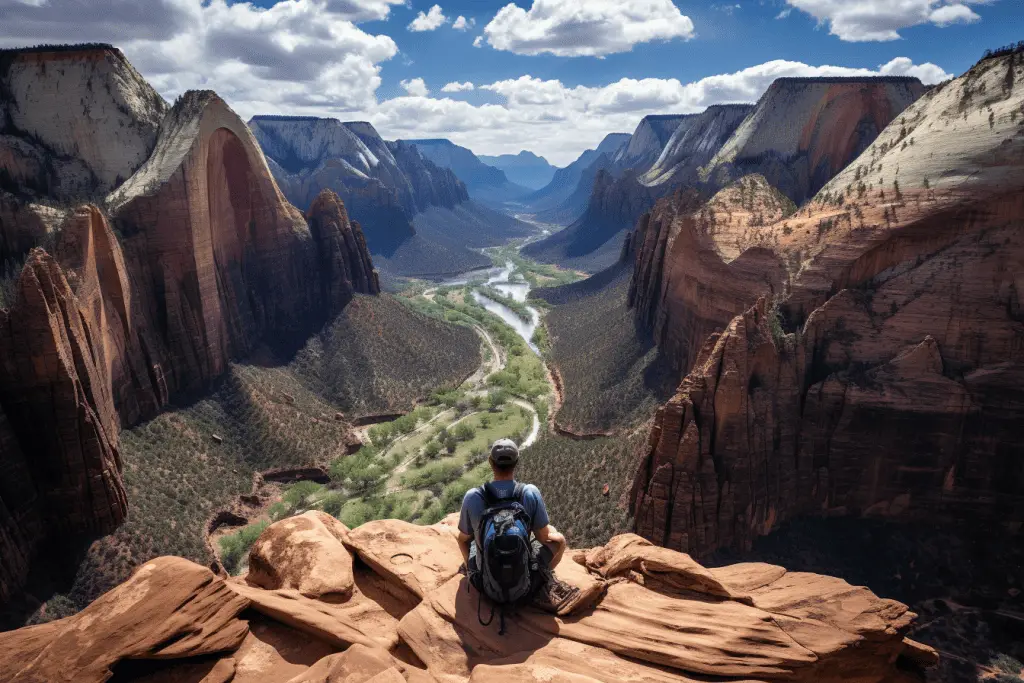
<point x="386" y="602"/>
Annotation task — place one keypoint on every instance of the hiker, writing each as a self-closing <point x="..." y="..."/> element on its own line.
<point x="507" y="542"/>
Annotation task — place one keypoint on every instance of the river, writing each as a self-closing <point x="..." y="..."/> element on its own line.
<point x="505" y="280"/>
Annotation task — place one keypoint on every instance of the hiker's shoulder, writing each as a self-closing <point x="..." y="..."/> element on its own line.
<point x="473" y="495"/>
<point x="532" y="490"/>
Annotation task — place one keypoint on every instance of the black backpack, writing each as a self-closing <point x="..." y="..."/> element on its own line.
<point x="505" y="558"/>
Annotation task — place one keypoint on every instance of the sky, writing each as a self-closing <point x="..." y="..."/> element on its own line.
<point x="550" y="76"/>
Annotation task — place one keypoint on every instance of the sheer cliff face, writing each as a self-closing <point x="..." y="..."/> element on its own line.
<point x="431" y="184"/>
<point x="804" y="131"/>
<point x="311" y="154"/>
<point x="208" y="261"/>
<point x="899" y="391"/>
<point x="647" y="142"/>
<point x="695" y="141"/>
<point x="699" y="265"/>
<point x="73" y="123"/>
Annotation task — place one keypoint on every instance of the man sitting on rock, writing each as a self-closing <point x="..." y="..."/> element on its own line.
<point x="507" y="542"/>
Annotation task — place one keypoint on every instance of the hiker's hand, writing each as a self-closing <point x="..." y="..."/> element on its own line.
<point x="474" y="579"/>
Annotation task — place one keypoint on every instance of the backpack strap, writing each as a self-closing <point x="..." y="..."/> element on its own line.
<point x="492" y="497"/>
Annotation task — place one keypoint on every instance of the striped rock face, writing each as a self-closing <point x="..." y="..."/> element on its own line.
<point x="885" y="379"/>
<point x="195" y="259"/>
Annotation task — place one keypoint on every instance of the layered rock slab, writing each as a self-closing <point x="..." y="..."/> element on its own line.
<point x="170" y="609"/>
<point x="303" y="553"/>
<point x="663" y="618"/>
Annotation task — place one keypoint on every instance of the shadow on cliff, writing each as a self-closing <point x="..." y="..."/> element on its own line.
<point x="52" y="575"/>
<point x="479" y="627"/>
<point x="966" y="583"/>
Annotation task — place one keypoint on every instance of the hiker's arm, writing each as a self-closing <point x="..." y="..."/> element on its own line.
<point x="554" y="540"/>
<point x="464" y="541"/>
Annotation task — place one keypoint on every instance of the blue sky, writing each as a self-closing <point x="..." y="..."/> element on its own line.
<point x="551" y="76"/>
<point x="728" y="37"/>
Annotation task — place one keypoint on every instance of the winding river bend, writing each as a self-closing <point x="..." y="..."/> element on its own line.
<point x="507" y="281"/>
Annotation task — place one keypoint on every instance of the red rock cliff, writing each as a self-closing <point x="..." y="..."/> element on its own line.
<point x="898" y="391"/>
<point x="209" y="260"/>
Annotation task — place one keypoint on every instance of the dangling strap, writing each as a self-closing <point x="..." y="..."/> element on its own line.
<point x="501" y="629"/>
<point x="480" y="599"/>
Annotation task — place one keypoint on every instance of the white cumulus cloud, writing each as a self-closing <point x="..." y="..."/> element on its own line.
<point x="463" y="24"/>
<point x="416" y="87"/>
<point x="455" y="86"/>
<point x="478" y="41"/>
<point x="295" y="54"/>
<point x="575" y="28"/>
<point x="433" y="19"/>
<point x="560" y="121"/>
<point x="309" y="57"/>
<point x="880" y="20"/>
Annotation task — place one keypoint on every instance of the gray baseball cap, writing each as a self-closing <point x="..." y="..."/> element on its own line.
<point x="504" y="453"/>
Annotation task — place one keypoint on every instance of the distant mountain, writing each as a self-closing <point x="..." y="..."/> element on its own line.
<point x="390" y="188"/>
<point x="695" y="141"/>
<point x="485" y="183"/>
<point x="526" y="168"/>
<point x="608" y="199"/>
<point x="647" y="142"/>
<point x="594" y="241"/>
<point x="805" y="130"/>
<point x="565" y="198"/>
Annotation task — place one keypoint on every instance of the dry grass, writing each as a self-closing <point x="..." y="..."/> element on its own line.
<point x="571" y="476"/>
<point x="378" y="356"/>
<point x="613" y="375"/>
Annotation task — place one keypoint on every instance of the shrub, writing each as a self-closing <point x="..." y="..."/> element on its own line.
<point x="463" y="432"/>
<point x="278" y="511"/>
<point x="233" y="547"/>
<point x="298" y="494"/>
<point x="356" y="513"/>
<point x="333" y="503"/>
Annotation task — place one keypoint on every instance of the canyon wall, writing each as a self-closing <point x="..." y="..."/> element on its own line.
<point x="200" y="260"/>
<point x="74" y="122"/>
<point x="668" y="153"/>
<point x="697" y="265"/>
<point x="882" y="376"/>
<point x="648" y="140"/>
<point x="805" y="130"/>
<point x="695" y="141"/>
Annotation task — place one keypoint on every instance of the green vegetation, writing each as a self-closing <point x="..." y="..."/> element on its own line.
<point x="519" y="308"/>
<point x="234" y="547"/>
<point x="541" y="339"/>
<point x="378" y="357"/>
<point x="537" y="274"/>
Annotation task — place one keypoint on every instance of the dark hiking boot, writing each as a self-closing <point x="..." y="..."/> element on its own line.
<point x="553" y="595"/>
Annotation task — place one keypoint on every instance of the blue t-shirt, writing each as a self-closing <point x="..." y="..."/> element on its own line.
<point x="474" y="505"/>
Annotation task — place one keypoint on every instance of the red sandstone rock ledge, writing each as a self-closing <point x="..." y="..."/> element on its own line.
<point x="385" y="602"/>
